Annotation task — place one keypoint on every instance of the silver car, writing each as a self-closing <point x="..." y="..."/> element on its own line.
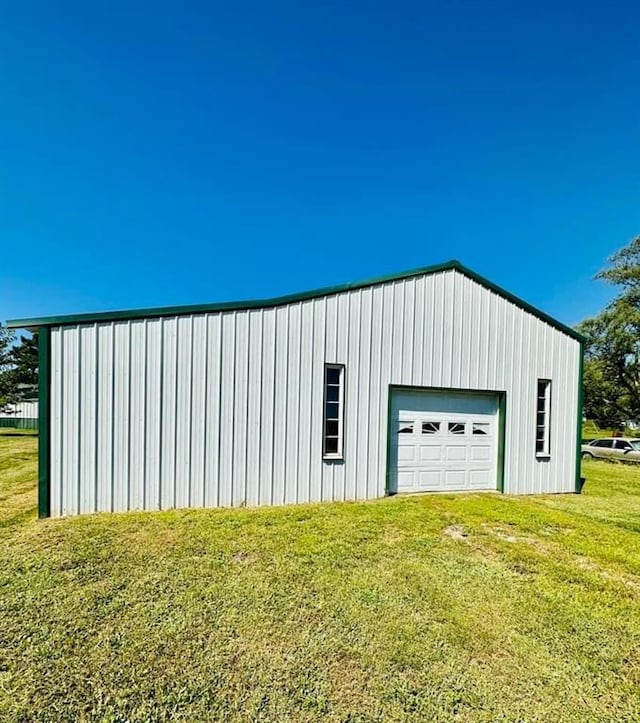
<point x="626" y="449"/>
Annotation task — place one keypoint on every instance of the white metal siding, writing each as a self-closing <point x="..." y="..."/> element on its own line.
<point x="225" y="408"/>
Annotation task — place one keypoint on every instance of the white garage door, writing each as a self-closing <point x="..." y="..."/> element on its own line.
<point x="443" y="441"/>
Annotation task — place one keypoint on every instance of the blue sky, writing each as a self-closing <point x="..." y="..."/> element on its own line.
<point x="156" y="154"/>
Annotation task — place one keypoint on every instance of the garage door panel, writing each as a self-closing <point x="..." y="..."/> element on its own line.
<point x="407" y="453"/>
<point x="431" y="453"/>
<point x="405" y="481"/>
<point x="454" y="479"/>
<point x="443" y="441"/>
<point x="429" y="481"/>
<point x="447" y="403"/>
<point x="479" y="478"/>
<point x="456" y="453"/>
<point x="480" y="453"/>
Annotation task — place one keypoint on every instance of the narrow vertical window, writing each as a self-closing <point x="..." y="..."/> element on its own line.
<point x="332" y="442"/>
<point x="543" y="409"/>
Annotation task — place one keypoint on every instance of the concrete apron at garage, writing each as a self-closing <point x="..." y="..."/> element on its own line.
<point x="443" y="441"/>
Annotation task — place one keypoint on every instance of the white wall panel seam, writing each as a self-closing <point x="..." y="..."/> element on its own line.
<point x="147" y="360"/>
<point x="274" y="369"/>
<point x="312" y="409"/>
<point x="161" y="354"/>
<point x="112" y="418"/>
<point x="259" y="418"/>
<point x="370" y="396"/>
<point x="298" y="444"/>
<point x="175" y="418"/>
<point x="380" y="481"/>
<point x="129" y="420"/>
<point x="281" y="391"/>
<point x="96" y="391"/>
<point x="80" y="453"/>
<point x="190" y="480"/>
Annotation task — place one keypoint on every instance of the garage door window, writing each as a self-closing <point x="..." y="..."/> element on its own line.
<point x="332" y="444"/>
<point x="430" y="427"/>
<point x="456" y="427"/>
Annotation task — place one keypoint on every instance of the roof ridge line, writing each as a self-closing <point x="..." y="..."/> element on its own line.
<point x="162" y="311"/>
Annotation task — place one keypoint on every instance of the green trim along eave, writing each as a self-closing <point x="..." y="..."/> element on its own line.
<point x="502" y="416"/>
<point x="108" y="316"/>
<point x="579" y="480"/>
<point x="44" y="415"/>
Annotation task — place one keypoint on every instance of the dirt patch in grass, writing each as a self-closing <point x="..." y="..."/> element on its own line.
<point x="455" y="532"/>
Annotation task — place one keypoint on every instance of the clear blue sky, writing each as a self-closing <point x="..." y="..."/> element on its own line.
<point x="158" y="153"/>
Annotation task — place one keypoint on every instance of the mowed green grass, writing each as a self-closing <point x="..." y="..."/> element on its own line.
<point x="430" y="608"/>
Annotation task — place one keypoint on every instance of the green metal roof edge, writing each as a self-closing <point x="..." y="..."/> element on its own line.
<point x="131" y="314"/>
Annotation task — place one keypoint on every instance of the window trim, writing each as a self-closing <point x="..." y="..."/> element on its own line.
<point x="339" y="455"/>
<point x="545" y="452"/>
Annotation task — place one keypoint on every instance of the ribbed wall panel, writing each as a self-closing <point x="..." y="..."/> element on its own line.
<point x="225" y="409"/>
<point x="88" y="417"/>
<point x="318" y="490"/>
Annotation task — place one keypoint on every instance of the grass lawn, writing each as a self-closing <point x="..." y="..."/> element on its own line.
<point x="430" y="608"/>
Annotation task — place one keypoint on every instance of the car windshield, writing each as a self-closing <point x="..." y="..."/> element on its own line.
<point x="636" y="445"/>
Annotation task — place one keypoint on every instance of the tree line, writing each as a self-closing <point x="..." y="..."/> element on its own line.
<point x="18" y="368"/>
<point x="612" y="347"/>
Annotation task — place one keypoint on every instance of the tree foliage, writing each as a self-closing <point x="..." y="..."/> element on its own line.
<point x="18" y="368"/>
<point x="25" y="359"/>
<point x="612" y="351"/>
<point x="8" y="383"/>
<point x="624" y="267"/>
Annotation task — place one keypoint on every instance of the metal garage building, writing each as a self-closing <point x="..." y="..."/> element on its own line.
<point x="431" y="380"/>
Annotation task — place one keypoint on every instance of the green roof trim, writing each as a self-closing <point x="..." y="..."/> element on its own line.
<point x="130" y="314"/>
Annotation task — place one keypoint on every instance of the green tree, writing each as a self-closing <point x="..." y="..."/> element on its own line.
<point x="624" y="267"/>
<point x="612" y="351"/>
<point x="25" y="359"/>
<point x="8" y="380"/>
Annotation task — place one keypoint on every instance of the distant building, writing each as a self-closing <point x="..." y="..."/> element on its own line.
<point x="23" y="415"/>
